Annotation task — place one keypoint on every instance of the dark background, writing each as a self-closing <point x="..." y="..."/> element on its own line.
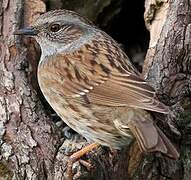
<point x="122" y="19"/>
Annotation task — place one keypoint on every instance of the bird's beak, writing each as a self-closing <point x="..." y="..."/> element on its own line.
<point x="30" y="31"/>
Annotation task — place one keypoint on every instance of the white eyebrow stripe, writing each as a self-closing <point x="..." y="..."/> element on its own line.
<point x="66" y="27"/>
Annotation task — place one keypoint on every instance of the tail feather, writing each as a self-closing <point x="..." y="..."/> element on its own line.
<point x="171" y="150"/>
<point x="150" y="138"/>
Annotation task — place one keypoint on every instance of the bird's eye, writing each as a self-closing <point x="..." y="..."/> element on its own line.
<point x="54" y="27"/>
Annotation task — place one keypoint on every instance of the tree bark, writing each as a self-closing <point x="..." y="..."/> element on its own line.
<point x="32" y="147"/>
<point x="167" y="67"/>
<point x="28" y="139"/>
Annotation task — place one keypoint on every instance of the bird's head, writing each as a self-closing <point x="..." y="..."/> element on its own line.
<point x="58" y="31"/>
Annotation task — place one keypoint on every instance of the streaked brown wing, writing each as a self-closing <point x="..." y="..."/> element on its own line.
<point x="114" y="89"/>
<point x="103" y="73"/>
<point x="126" y="90"/>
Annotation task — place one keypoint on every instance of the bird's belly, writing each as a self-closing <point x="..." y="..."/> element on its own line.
<point x="94" y="129"/>
<point x="94" y="123"/>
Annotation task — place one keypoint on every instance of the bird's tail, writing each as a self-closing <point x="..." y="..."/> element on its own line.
<point x="170" y="149"/>
<point x="150" y="138"/>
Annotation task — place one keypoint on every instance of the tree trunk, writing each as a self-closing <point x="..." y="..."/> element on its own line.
<point x="32" y="147"/>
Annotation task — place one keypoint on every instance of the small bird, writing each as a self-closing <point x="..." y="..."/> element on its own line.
<point x="91" y="84"/>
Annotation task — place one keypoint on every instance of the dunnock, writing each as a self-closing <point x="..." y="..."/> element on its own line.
<point x="91" y="84"/>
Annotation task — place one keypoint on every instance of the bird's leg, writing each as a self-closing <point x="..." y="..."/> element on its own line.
<point x="74" y="157"/>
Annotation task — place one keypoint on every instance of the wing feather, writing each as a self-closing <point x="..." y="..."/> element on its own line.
<point x="117" y="93"/>
<point x="106" y="77"/>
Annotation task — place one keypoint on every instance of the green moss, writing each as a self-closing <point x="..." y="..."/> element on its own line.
<point x="100" y="11"/>
<point x="5" y="173"/>
<point x="88" y="8"/>
<point x="159" y="3"/>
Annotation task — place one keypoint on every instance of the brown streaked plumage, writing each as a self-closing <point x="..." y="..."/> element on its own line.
<point x="91" y="84"/>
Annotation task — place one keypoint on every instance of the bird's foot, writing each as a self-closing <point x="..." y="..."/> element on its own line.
<point x="73" y="142"/>
<point x="76" y="156"/>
